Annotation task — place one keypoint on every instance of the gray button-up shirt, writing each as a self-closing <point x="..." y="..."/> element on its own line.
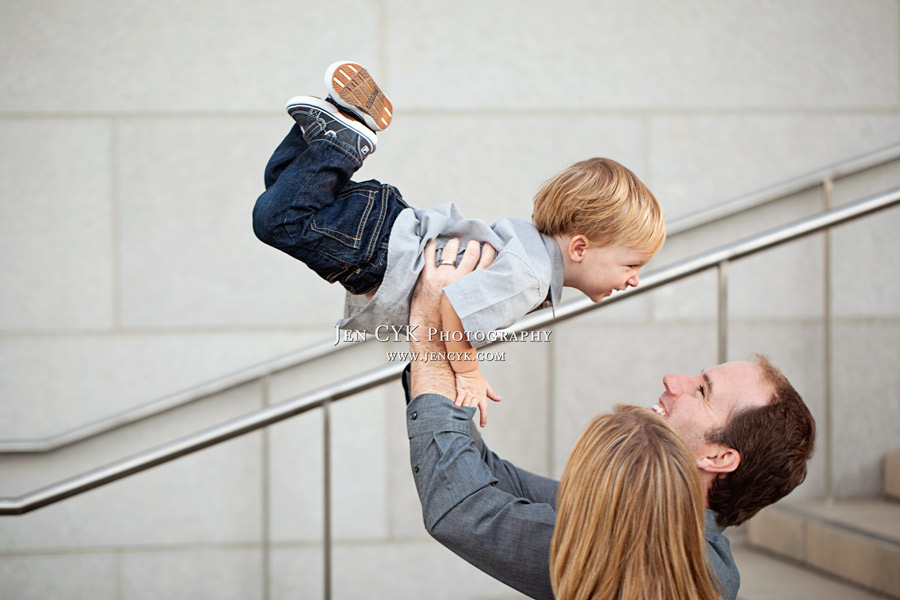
<point x="527" y="271"/>
<point x="496" y="516"/>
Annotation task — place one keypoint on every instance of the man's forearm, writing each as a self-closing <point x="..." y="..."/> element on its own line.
<point x="431" y="377"/>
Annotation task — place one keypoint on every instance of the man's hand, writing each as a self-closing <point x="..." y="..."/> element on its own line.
<point x="425" y="312"/>
<point x="433" y="278"/>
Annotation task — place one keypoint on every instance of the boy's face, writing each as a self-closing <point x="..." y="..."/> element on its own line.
<point x="602" y="270"/>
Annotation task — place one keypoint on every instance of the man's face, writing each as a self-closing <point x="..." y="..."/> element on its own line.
<point x="697" y="405"/>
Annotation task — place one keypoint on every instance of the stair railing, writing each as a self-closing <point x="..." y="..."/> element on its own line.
<point x="812" y="180"/>
<point x="714" y="259"/>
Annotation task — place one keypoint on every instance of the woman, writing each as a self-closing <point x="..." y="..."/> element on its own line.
<point x="630" y="517"/>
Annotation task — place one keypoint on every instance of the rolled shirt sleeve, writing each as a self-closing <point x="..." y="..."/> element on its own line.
<point x="496" y="297"/>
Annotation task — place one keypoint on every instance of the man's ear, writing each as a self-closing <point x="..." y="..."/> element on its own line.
<point x="719" y="459"/>
<point x="578" y="244"/>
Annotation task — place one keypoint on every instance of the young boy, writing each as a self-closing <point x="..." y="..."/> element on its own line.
<point x="595" y="225"/>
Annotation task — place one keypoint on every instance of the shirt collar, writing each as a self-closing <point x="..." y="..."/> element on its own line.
<point x="556" y="271"/>
<point x="711" y="523"/>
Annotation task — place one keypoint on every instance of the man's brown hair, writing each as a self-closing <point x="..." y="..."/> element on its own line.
<point x="775" y="442"/>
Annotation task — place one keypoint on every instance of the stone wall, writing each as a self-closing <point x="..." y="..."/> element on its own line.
<point x="132" y="142"/>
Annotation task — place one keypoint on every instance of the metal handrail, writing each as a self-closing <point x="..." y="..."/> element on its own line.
<point x="176" y="400"/>
<point x="322" y="349"/>
<point x="784" y="189"/>
<point x="351" y="386"/>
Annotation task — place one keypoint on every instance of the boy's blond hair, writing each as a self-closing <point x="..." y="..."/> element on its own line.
<point x="601" y="199"/>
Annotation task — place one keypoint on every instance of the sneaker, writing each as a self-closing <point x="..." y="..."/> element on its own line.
<point x="351" y="87"/>
<point x="318" y="118"/>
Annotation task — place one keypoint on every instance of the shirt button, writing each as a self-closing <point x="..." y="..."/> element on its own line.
<point x="414" y="415"/>
<point x="416" y="469"/>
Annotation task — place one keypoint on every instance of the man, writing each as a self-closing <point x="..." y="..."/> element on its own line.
<point x="746" y="426"/>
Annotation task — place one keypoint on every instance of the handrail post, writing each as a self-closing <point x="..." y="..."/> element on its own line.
<point x="326" y="506"/>
<point x="827" y="189"/>
<point x="722" y="325"/>
<point x="266" y="492"/>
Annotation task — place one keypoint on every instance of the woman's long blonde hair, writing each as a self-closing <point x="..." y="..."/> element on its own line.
<point x="630" y="519"/>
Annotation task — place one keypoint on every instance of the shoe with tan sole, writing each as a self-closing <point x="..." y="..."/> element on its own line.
<point x="351" y="87"/>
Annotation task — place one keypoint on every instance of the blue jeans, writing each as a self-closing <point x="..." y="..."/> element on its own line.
<point x="312" y="211"/>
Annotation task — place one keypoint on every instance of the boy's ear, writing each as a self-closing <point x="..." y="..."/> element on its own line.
<point x="577" y="246"/>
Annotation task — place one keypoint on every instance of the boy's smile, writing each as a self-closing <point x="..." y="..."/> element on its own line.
<point x="598" y="271"/>
<point x="611" y="269"/>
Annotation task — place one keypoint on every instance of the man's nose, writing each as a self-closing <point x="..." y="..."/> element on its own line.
<point x="669" y="382"/>
<point x="674" y="384"/>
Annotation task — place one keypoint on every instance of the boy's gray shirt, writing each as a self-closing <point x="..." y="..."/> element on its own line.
<point x="494" y="515"/>
<point x="527" y="271"/>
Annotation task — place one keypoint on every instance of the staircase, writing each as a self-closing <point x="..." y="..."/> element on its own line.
<point x="856" y="539"/>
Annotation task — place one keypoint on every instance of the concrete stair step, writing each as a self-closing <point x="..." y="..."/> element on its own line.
<point x="891" y="480"/>
<point x="857" y="540"/>
<point x="765" y="576"/>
